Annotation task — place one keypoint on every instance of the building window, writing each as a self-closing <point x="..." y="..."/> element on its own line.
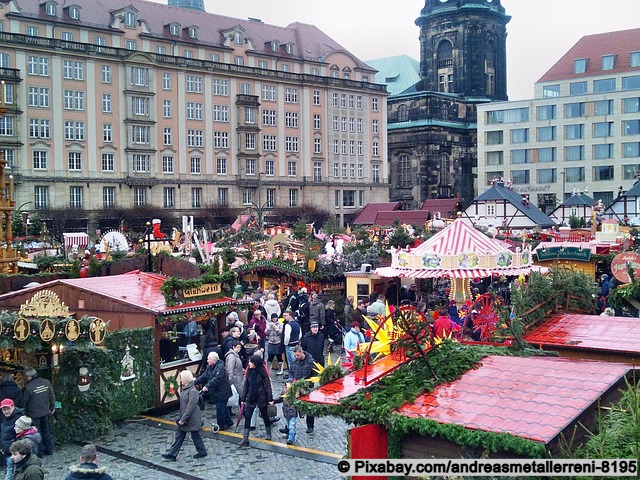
<point x="51" y="9"/>
<point x="631" y="150"/>
<point x="573" y="110"/>
<point x="375" y="173"/>
<point x="168" y="196"/>
<point x="221" y="166"/>
<point x="608" y="62"/>
<point x="74" y="131"/>
<point x="520" y="177"/>
<point x="250" y="166"/>
<point x="578" y="88"/>
<point x="348" y="198"/>
<point x="108" y="162"/>
<point x="580" y="65"/>
<point x="574" y="174"/>
<point x="374" y="104"/>
<point x="336" y="170"/>
<point x="546" y="112"/>
<point x="39" y="128"/>
<point x="269" y="143"/>
<point x="194" y="84"/>
<point x="574" y="153"/>
<point x="139" y="77"/>
<point x="317" y="171"/>
<point x="317" y="123"/>
<point x="292" y="169"/>
<point x="630" y="127"/>
<point x="139" y="196"/>
<point x="193" y="32"/>
<point x="512" y="115"/>
<point x="73" y="100"/>
<point x="631" y="105"/>
<point x="547" y="175"/>
<point x="631" y="83"/>
<point x="107" y="106"/>
<point x="604" y="85"/>
<point x="574" y="131"/>
<point x="634" y="59"/>
<point x="130" y="45"/>
<point x="105" y="73"/>
<point x="495" y="158"/>
<point x="38" y="66"/>
<point x="167" y="164"/>
<point x="317" y="145"/>
<point x="494" y="138"/>
<point x="141" y="163"/>
<point x="108" y="197"/>
<point x="41" y="197"/>
<point x="269" y="93"/>
<point x="196" y="197"/>
<point x="196" y="165"/>
<point x="603" y="107"/>
<point x="546" y="134"/>
<point x="166" y="108"/>
<point x="291" y="144"/>
<point x="33" y="31"/>
<point x="520" y="156"/>
<point x="316" y="97"/>
<point x="629" y="172"/>
<point x="603" y="173"/>
<point x="546" y="155"/>
<point x="195" y="138"/>
<point x="293" y="197"/>
<point x="220" y="87"/>
<point x="247" y="196"/>
<point x="167" y="136"/>
<point x="223" y="196"/>
<point x="291" y="119"/>
<point x="73" y="70"/>
<point x="140" y="135"/>
<point x="75" y="198"/>
<point x="520" y="135"/>
<point x="38" y="97"/>
<point x="269" y="168"/>
<point x="291" y="95"/>
<point x="40" y="159"/>
<point x="166" y="81"/>
<point x="271" y="198"/>
<point x="221" y="113"/>
<point x="194" y="111"/>
<point x="550" y="91"/>
<point x="375" y="149"/>
<point x="602" y="129"/>
<point x="221" y="139"/>
<point x="75" y="161"/>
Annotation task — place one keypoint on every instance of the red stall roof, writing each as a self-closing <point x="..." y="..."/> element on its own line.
<point x="530" y="397"/>
<point x="590" y="332"/>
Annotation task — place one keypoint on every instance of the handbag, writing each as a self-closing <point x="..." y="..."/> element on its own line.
<point x="234" y="399"/>
<point x="272" y="411"/>
<point x="201" y="400"/>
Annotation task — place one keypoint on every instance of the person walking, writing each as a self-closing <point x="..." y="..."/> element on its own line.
<point x="292" y="333"/>
<point x="301" y="369"/>
<point x="88" y="468"/>
<point x="348" y="310"/>
<point x="27" y="465"/>
<point x="217" y="387"/>
<point x="7" y="431"/>
<point x="275" y="348"/>
<point x="39" y="404"/>
<point x="256" y="393"/>
<point x="190" y="419"/>
<point x="234" y="368"/>
<point x="272" y="306"/>
<point x="332" y="332"/>
<point x="313" y="342"/>
<point x="317" y="312"/>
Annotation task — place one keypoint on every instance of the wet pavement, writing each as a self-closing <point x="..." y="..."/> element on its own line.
<point x="133" y="449"/>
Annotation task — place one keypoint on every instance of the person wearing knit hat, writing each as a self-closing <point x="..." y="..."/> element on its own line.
<point x="24" y="430"/>
<point x="7" y="433"/>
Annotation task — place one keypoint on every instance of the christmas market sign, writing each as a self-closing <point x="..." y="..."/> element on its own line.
<point x="564" y="253"/>
<point x="622" y="262"/>
<point x="202" y="290"/>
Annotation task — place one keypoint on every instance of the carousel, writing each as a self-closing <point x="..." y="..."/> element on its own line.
<point x="459" y="252"/>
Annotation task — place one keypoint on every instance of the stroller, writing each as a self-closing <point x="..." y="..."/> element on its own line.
<point x="335" y="335"/>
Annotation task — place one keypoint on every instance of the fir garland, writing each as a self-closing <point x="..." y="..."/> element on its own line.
<point x="172" y="288"/>
<point x="171" y="385"/>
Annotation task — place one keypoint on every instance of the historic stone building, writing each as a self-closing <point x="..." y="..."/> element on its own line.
<point x="432" y="125"/>
<point x="134" y="103"/>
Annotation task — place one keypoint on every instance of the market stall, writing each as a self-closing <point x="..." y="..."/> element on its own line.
<point x="177" y="311"/>
<point x="461" y="253"/>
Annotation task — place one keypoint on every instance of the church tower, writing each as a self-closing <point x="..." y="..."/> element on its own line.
<point x="463" y="48"/>
<point x="191" y="4"/>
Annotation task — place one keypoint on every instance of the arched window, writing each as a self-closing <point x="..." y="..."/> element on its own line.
<point x="403" y="113"/>
<point x="445" y="66"/>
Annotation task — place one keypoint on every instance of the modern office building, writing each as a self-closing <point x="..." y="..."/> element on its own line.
<point x="580" y="131"/>
<point x="432" y="123"/>
<point x="130" y="102"/>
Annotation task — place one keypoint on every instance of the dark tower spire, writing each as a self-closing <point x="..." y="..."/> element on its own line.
<point x="192" y="4"/>
<point x="463" y="47"/>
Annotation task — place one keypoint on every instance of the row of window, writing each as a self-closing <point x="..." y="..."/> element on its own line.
<point x="602" y="85"/>
<point x="570" y="174"/>
<point x="344" y="198"/>
<point x="571" y="110"/>
<point x="571" y="132"/>
<point x="608" y="62"/>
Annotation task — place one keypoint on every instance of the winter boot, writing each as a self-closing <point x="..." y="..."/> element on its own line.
<point x="281" y="371"/>
<point x="245" y="438"/>
<point x="268" y="435"/>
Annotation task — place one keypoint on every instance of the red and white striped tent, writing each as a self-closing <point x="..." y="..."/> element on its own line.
<point x="460" y="252"/>
<point x="79" y="239"/>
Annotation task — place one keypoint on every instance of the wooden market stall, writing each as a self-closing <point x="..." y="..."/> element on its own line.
<point x="130" y="301"/>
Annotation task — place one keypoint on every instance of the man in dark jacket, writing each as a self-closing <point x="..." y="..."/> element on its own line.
<point x="39" y="404"/>
<point x="302" y="368"/>
<point x="7" y="430"/>
<point x="313" y="342"/>
<point x="217" y="386"/>
<point x="190" y="419"/>
<point x="317" y="311"/>
<point x="88" y="468"/>
<point x="10" y="389"/>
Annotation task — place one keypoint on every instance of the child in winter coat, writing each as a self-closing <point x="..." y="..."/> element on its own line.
<point x="290" y="416"/>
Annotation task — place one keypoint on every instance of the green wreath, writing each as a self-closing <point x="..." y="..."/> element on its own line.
<point x="171" y="385"/>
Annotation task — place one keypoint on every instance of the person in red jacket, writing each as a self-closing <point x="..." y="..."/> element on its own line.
<point x="443" y="325"/>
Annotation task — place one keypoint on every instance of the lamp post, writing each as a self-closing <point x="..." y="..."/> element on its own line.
<point x="147" y="239"/>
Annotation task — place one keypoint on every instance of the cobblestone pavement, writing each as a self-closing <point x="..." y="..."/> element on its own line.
<point x="132" y="451"/>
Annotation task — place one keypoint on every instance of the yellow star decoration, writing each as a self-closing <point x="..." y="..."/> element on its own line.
<point x="317" y="368"/>
<point x="438" y="341"/>
<point x="384" y="337"/>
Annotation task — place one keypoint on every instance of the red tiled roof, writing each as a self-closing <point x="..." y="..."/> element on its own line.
<point x="593" y="48"/>
<point x="588" y="332"/>
<point x="139" y="289"/>
<point x="529" y="397"/>
<point x="368" y="214"/>
<point x="442" y="205"/>
<point x="408" y="217"/>
<point x="309" y="42"/>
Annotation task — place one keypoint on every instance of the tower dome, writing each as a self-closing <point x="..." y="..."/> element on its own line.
<point x="463" y="47"/>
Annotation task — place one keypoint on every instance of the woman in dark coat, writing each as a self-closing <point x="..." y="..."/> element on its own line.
<point x="256" y="394"/>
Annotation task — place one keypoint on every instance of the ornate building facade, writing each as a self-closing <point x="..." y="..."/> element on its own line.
<point x="432" y="126"/>
<point x="147" y="104"/>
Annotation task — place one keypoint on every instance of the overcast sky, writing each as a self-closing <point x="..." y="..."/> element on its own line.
<point x="539" y="33"/>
